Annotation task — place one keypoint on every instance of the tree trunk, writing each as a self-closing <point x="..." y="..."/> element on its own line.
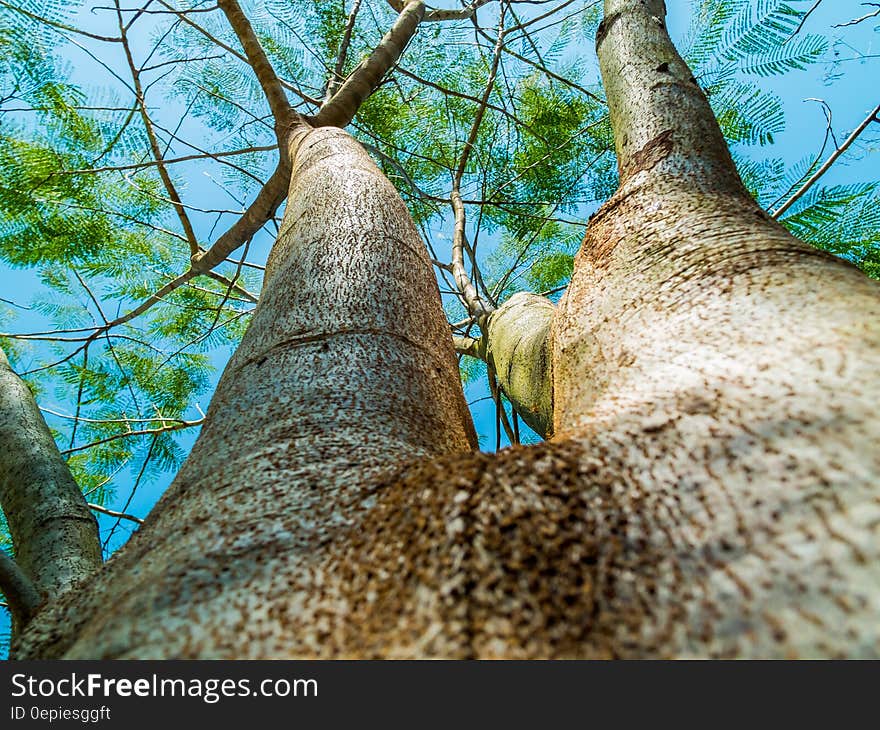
<point x="711" y="488"/>
<point x="345" y="373"/>
<point x="54" y="533"/>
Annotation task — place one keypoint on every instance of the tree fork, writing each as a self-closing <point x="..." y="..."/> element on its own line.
<point x="710" y="489"/>
<point x="340" y="109"/>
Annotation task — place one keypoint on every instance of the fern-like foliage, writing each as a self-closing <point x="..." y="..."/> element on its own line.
<point x="733" y="41"/>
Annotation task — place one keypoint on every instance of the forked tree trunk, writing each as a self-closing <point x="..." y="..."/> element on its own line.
<point x="711" y="489"/>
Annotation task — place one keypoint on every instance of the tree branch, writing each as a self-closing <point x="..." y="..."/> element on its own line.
<point x="856" y="21"/>
<point x="273" y="193"/>
<point x="341" y="108"/>
<point x="114" y="513"/>
<point x="170" y="161"/>
<point x="252" y="298"/>
<point x="469" y="346"/>
<point x="259" y="62"/>
<point x="336" y="79"/>
<point x="261" y="210"/>
<point x="20" y="592"/>
<point x="155" y="149"/>
<point x="475" y="305"/>
<point x="872" y="117"/>
<point x="54" y="534"/>
<point x="142" y="432"/>
<point x="804" y="20"/>
<point x="436" y="16"/>
<point x="59" y="26"/>
<point x="500" y="414"/>
<point x="285" y="84"/>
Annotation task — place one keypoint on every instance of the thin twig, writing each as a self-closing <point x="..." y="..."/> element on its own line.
<point x="59" y="26"/>
<point x="865" y="17"/>
<point x="872" y="117"/>
<point x="158" y="156"/>
<point x="258" y="61"/>
<point x="114" y="513"/>
<point x="474" y="302"/>
<point x="142" y="432"/>
<point x="340" y="109"/>
<point x="804" y="20"/>
<point x="170" y="160"/>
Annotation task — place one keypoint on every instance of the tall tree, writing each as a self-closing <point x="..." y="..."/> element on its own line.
<point x="710" y="487"/>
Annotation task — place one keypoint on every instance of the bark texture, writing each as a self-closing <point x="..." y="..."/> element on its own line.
<point x="727" y="373"/>
<point x="54" y="532"/>
<point x="712" y="485"/>
<point x="519" y="349"/>
<point x="21" y="595"/>
<point x="346" y="371"/>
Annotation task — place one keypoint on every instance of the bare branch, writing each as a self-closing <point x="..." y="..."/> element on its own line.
<point x="60" y="26"/>
<point x="259" y="62"/>
<point x="872" y="117"/>
<point x="156" y="150"/>
<point x="437" y="15"/>
<point x="170" y="161"/>
<point x="255" y="217"/>
<point x="114" y="513"/>
<point x="547" y="72"/>
<point x="475" y="305"/>
<point x="804" y="20"/>
<point x="273" y="193"/>
<point x="867" y="16"/>
<point x="336" y="79"/>
<point x="252" y="298"/>
<point x="153" y="300"/>
<point x="83" y="419"/>
<point x="500" y="413"/>
<point x="462" y="95"/>
<point x="142" y="432"/>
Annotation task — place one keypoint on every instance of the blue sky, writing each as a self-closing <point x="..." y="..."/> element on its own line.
<point x="849" y="88"/>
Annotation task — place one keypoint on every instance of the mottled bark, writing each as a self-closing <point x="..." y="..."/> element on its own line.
<point x="726" y="373"/>
<point x="54" y="533"/>
<point x="346" y="371"/>
<point x="516" y="344"/>
<point x="711" y="488"/>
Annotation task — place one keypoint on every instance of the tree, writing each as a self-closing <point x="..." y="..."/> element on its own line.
<point x="710" y="484"/>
